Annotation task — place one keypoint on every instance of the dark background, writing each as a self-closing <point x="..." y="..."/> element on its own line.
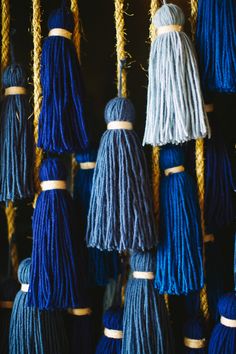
<point x="98" y="58"/>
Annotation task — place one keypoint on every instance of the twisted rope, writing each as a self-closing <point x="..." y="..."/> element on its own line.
<point x="36" y="29"/>
<point x="5" y="55"/>
<point x="154" y="6"/>
<point x="120" y="47"/>
<point x="200" y="165"/>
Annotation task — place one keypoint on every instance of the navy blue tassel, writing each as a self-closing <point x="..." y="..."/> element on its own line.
<point x="215" y="41"/>
<point x="102" y="265"/>
<point x="54" y="281"/>
<point x="61" y="122"/>
<point x="223" y="337"/>
<point x="179" y="253"/>
<point x="120" y="214"/>
<point x="219" y="181"/>
<point x="8" y="290"/>
<point x="194" y="337"/>
<point x="16" y="139"/>
<point x="146" y="324"/>
<point x="33" y="331"/>
<point x="112" y="320"/>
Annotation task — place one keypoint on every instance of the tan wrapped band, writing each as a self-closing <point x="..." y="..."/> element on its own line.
<point x="170" y="28"/>
<point x="6" y="304"/>
<point x="80" y="312"/>
<point x="144" y="275"/>
<point x="25" y="288"/>
<point x="112" y="333"/>
<point x="194" y="343"/>
<point x="176" y="169"/>
<point x="209" y="107"/>
<point x="209" y="238"/>
<point x="87" y="165"/>
<point x="228" y="322"/>
<point x="50" y="185"/>
<point x="15" y="90"/>
<point x="61" y="32"/>
<point x="120" y="124"/>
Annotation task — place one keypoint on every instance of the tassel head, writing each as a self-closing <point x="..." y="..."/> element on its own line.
<point x="171" y="156"/>
<point x="227" y="306"/>
<point x="52" y="169"/>
<point x="61" y="18"/>
<point x="142" y="262"/>
<point x="14" y="75"/>
<point x="24" y="271"/>
<point x="113" y="318"/>
<point x="169" y="14"/>
<point x="119" y="109"/>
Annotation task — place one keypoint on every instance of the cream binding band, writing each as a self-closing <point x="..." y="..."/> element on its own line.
<point x="227" y="322"/>
<point x="112" y="333"/>
<point x="80" y="312"/>
<point x="87" y="165"/>
<point x="176" y="169"/>
<point x="15" y="90"/>
<point x="6" y="304"/>
<point x="143" y="275"/>
<point x="194" y="343"/>
<point x="120" y="124"/>
<point x="50" y="185"/>
<point x="61" y="32"/>
<point x="25" y="288"/>
<point x="209" y="108"/>
<point x="208" y="238"/>
<point x="167" y="29"/>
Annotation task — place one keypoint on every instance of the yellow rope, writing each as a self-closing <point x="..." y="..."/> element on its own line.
<point x="200" y="164"/>
<point x="5" y="55"/>
<point x="76" y="34"/>
<point x="36" y="29"/>
<point x="120" y="44"/>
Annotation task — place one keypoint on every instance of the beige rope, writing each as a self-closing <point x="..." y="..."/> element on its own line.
<point x="5" y="54"/>
<point x="228" y="322"/>
<point x="116" y="124"/>
<point x="143" y="275"/>
<point x="37" y="37"/>
<point x="172" y="170"/>
<point x="169" y="28"/>
<point x="15" y="90"/>
<point x="194" y="343"/>
<point x="87" y="165"/>
<point x="86" y="311"/>
<point x="51" y="185"/>
<point x="120" y="45"/>
<point x="24" y="288"/>
<point x="61" y="32"/>
<point x="113" y="333"/>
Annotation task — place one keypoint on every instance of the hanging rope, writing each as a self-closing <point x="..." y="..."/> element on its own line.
<point x="5" y="55"/>
<point x="36" y="29"/>
<point x="120" y="48"/>
<point x="200" y="164"/>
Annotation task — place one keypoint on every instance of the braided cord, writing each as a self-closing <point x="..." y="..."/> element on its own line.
<point x="120" y="47"/>
<point x="37" y="36"/>
<point x="200" y="166"/>
<point x="5" y="55"/>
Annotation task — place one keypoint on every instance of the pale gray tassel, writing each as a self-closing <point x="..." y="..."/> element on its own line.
<point x="175" y="109"/>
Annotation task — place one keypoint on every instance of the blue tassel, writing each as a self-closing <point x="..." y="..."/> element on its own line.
<point x="54" y="281"/>
<point x="223" y="337"/>
<point x="102" y="265"/>
<point x="179" y="253"/>
<point x="120" y="214"/>
<point x="112" y="320"/>
<point x="8" y="290"/>
<point x="219" y="182"/>
<point x="215" y="41"/>
<point x="194" y="337"/>
<point x="16" y="139"/>
<point x="61" y="122"/>
<point x="32" y="331"/>
<point x="146" y="323"/>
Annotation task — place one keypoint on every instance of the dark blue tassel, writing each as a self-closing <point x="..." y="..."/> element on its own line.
<point x="112" y="320"/>
<point x="215" y="41"/>
<point x="54" y="281"/>
<point x="8" y="290"/>
<point x="121" y="214"/>
<point x="61" y="122"/>
<point x="146" y="323"/>
<point x="16" y="139"/>
<point x="102" y="265"/>
<point x="219" y="182"/>
<point x="179" y="253"/>
<point x="33" y="331"/>
<point x="194" y="337"/>
<point x="223" y="337"/>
